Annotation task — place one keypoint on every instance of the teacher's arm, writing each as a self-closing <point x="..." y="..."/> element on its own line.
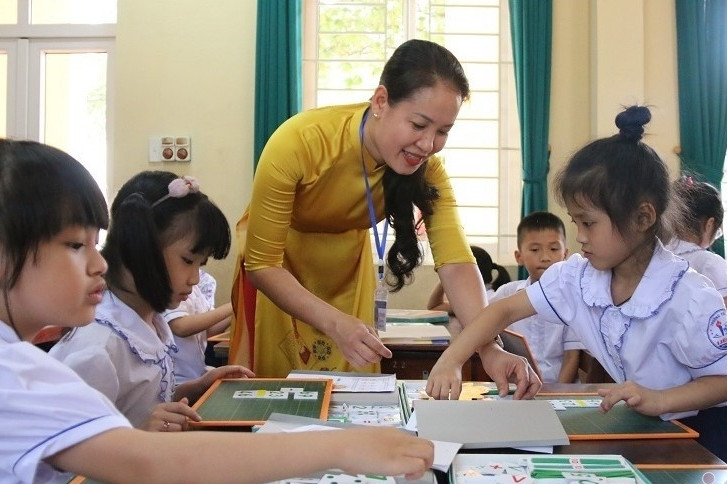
<point x="358" y="342"/>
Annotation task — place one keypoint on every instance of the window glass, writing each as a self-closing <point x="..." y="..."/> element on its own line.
<point x="3" y="97"/>
<point x="73" y="11"/>
<point x="75" y="108"/>
<point x="346" y="44"/>
<point x="8" y="11"/>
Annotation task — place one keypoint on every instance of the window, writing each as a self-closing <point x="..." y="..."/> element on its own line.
<point x="347" y="42"/>
<point x="55" y="56"/>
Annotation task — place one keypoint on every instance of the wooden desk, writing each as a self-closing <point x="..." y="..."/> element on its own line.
<point x="414" y="360"/>
<point x="643" y="453"/>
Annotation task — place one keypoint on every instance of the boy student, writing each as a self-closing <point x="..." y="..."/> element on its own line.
<point x="540" y="244"/>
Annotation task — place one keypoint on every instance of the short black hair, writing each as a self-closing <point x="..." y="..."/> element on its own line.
<point x="42" y="191"/>
<point x="536" y="222"/>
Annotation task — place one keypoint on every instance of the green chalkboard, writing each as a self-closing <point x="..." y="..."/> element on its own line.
<point x="621" y="422"/>
<point x="250" y="401"/>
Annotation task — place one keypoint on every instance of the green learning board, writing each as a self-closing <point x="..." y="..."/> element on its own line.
<point x="220" y="407"/>
<point x="621" y="422"/>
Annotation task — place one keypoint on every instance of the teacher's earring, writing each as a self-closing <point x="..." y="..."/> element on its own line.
<point x="376" y="115"/>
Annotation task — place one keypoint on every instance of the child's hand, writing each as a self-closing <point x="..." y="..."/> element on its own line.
<point x="504" y="367"/>
<point x="641" y="399"/>
<point x="445" y="379"/>
<point x="385" y="451"/>
<point x="170" y="417"/>
<point x="227" y="371"/>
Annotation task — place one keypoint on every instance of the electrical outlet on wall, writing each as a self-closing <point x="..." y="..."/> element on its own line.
<point x="170" y="148"/>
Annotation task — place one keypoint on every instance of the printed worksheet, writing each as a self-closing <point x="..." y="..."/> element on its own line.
<point x="351" y="382"/>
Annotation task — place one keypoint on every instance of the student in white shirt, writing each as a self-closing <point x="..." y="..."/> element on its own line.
<point x="192" y="322"/>
<point x="656" y="327"/>
<point x="53" y="424"/>
<point x="438" y="300"/>
<point x="163" y="229"/>
<point x="541" y="243"/>
<point x="700" y="226"/>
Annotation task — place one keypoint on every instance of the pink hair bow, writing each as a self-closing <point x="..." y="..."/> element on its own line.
<point x="179" y="188"/>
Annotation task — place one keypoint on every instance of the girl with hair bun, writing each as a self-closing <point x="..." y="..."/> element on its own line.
<point x="658" y="328"/>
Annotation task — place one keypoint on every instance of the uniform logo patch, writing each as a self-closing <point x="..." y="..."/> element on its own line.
<point x="717" y="330"/>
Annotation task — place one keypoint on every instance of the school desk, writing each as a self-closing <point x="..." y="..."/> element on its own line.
<point x="641" y="452"/>
<point x="413" y="360"/>
<point x="655" y="450"/>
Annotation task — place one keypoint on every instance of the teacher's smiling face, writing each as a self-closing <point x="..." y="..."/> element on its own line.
<point x="404" y="135"/>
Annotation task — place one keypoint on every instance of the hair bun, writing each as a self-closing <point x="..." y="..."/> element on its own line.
<point x="631" y="121"/>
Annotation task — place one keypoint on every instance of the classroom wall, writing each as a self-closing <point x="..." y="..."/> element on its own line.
<point x="185" y="67"/>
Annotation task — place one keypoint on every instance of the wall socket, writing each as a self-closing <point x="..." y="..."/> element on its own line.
<point x="170" y="148"/>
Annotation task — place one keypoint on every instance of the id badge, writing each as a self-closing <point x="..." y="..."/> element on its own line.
<point x="381" y="296"/>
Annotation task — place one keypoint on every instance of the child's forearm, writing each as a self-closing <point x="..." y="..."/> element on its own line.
<point x="699" y="394"/>
<point x="437" y="300"/>
<point x="569" y="367"/>
<point x="194" y="323"/>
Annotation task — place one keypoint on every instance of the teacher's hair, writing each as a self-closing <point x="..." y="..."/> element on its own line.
<point x="415" y="64"/>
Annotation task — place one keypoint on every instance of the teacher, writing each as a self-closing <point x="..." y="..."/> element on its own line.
<point x="304" y="289"/>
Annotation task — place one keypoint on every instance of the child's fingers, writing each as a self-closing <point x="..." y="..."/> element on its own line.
<point x="182" y="409"/>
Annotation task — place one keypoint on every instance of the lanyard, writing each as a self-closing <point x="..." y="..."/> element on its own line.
<point x="380" y="243"/>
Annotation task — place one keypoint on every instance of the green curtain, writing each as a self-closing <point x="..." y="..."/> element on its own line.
<point x="702" y="74"/>
<point x="531" y="24"/>
<point x="278" y="67"/>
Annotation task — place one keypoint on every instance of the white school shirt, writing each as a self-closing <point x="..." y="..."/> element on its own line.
<point x="189" y="359"/>
<point x="703" y="261"/>
<point x="44" y="408"/>
<point x="546" y="341"/>
<point x="123" y="358"/>
<point x="208" y="285"/>
<point x="671" y="331"/>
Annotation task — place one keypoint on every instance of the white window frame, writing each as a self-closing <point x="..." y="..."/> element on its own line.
<point x="502" y="244"/>
<point x="26" y="44"/>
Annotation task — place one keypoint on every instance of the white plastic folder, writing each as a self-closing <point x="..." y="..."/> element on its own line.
<point x="486" y="424"/>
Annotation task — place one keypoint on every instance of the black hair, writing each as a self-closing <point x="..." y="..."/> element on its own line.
<point x="143" y="223"/>
<point x="486" y="265"/>
<point x="701" y="201"/>
<point x="414" y="65"/>
<point x="42" y="191"/>
<point x="537" y="221"/>
<point x="618" y="173"/>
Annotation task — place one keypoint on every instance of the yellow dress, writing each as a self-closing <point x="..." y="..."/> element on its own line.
<point x="309" y="214"/>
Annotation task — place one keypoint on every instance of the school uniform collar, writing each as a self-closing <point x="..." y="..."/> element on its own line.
<point x="369" y="161"/>
<point x="655" y="288"/>
<point x="683" y="247"/>
<point x="142" y="340"/>
<point x="7" y="335"/>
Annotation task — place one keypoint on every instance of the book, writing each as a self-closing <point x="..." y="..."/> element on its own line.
<point x="416" y="316"/>
<point x="414" y="333"/>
